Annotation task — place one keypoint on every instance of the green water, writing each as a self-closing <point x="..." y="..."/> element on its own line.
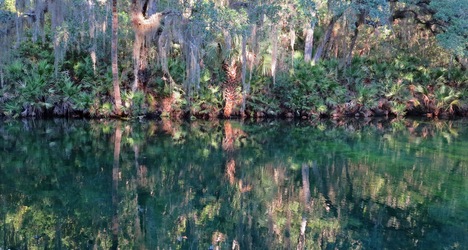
<point x="267" y="185"/>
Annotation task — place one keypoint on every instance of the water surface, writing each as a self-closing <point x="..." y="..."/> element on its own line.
<point x="378" y="184"/>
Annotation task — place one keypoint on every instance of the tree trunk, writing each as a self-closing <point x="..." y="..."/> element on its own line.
<point x="115" y="69"/>
<point x="245" y="88"/>
<point x="193" y="61"/>
<point x="137" y="47"/>
<point x="1" y="79"/>
<point x="292" y="40"/>
<point x="104" y="26"/>
<point x="252" y="56"/>
<point x="274" y="52"/>
<point x="39" y="8"/>
<point x="140" y="48"/>
<point x="92" y="34"/>
<point x="56" y="8"/>
<point x="349" y="55"/>
<point x="146" y="23"/>
<point x="325" y="39"/>
<point x="309" y="42"/>
<point x="19" y="27"/>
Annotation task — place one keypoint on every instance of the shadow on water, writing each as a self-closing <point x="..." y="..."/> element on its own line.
<point x="373" y="184"/>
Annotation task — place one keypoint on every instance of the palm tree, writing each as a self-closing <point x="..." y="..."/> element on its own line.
<point x="230" y="95"/>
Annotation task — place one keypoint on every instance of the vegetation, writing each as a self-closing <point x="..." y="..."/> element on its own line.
<point x="206" y="59"/>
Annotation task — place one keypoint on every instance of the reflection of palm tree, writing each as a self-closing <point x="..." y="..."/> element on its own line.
<point x="171" y="127"/>
<point x="167" y="126"/>
<point x="231" y="171"/>
<point x="228" y="146"/>
<point x="230" y="136"/>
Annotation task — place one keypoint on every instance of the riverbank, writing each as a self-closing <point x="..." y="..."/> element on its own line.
<point x="367" y="88"/>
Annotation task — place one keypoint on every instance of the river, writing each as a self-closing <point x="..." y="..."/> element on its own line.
<point x="347" y="184"/>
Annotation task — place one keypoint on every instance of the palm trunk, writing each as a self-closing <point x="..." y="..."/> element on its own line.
<point x="115" y="72"/>
<point x="230" y="96"/>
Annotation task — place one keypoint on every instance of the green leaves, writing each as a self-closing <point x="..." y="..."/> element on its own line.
<point x="15" y="71"/>
<point x="310" y="88"/>
<point x="447" y="98"/>
<point x="454" y="23"/>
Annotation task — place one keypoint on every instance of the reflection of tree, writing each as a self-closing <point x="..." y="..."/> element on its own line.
<point x="306" y="204"/>
<point x="241" y="240"/>
<point x="51" y="186"/>
<point x="115" y="187"/>
<point x="142" y="187"/>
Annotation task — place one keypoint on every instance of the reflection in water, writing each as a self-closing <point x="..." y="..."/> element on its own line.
<point x="280" y="185"/>
<point x="115" y="187"/>
<point x="306" y="205"/>
<point x="231" y="137"/>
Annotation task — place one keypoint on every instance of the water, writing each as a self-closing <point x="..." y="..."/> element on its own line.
<point x="270" y="185"/>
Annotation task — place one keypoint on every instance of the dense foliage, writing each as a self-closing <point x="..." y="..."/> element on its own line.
<point x="292" y="58"/>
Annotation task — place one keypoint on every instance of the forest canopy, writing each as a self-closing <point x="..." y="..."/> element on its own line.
<point x="205" y="59"/>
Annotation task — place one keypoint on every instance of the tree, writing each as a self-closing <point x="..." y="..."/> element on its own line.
<point x="453" y="19"/>
<point x="336" y="10"/>
<point x="114" y="58"/>
<point x="366" y="11"/>
<point x="309" y="11"/>
<point x="447" y="20"/>
<point x="146" y="23"/>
